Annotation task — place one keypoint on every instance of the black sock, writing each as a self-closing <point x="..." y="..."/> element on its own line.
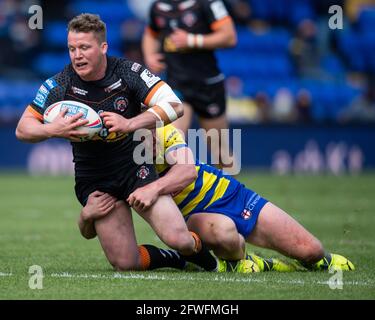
<point x="313" y="266"/>
<point x="202" y="258"/>
<point x="153" y="258"/>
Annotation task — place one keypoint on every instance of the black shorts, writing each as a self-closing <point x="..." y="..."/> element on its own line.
<point x="207" y="100"/>
<point x="119" y="185"/>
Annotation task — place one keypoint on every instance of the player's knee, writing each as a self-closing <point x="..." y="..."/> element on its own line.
<point x="313" y="252"/>
<point x="124" y="262"/>
<point x="180" y="240"/>
<point x="224" y="235"/>
<point x="125" y="265"/>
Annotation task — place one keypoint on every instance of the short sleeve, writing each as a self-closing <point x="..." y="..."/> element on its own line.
<point x="172" y="138"/>
<point x="216" y="13"/>
<point x="52" y="90"/>
<point x="152" y="21"/>
<point x="140" y="80"/>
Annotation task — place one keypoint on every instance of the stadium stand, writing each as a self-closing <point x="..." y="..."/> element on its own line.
<point x="285" y="51"/>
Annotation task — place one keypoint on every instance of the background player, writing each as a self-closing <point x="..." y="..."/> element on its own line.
<point x="181" y="37"/>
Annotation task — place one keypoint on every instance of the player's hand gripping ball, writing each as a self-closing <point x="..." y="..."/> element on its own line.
<point x="92" y="127"/>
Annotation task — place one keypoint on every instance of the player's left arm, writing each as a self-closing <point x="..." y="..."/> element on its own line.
<point x="181" y="173"/>
<point x="99" y="205"/>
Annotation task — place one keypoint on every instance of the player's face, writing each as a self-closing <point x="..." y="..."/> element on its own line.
<point x="87" y="55"/>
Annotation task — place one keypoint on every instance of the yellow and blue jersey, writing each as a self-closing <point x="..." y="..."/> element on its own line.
<point x="213" y="191"/>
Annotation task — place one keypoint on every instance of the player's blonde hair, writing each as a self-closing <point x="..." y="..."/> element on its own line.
<point x="88" y="22"/>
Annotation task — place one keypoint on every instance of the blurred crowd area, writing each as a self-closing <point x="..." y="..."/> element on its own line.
<point x="289" y="66"/>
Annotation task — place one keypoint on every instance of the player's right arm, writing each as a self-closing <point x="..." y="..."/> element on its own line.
<point x="151" y="51"/>
<point x="31" y="128"/>
<point x="182" y="171"/>
<point x="151" y="45"/>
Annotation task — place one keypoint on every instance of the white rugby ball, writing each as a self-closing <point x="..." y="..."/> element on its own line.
<point x="95" y="122"/>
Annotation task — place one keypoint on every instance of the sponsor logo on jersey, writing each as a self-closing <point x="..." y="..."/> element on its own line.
<point x="253" y="201"/>
<point x="135" y="67"/>
<point x="164" y="7"/>
<point x="50" y="83"/>
<point x="160" y="22"/>
<point x="246" y="214"/>
<point x="106" y="136"/>
<point x="186" y="4"/>
<point x="43" y="92"/>
<point x="218" y="9"/>
<point x="41" y="96"/>
<point x="149" y="78"/>
<point x="213" y="109"/>
<point x="143" y="172"/>
<point x="113" y="86"/>
<point x="189" y="19"/>
<point x="121" y="104"/>
<point x="79" y="91"/>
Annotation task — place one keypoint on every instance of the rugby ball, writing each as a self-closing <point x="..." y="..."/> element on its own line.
<point x="95" y="122"/>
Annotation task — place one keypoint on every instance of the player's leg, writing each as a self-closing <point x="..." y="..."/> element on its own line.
<point x="167" y="222"/>
<point x="276" y="230"/>
<point x="117" y="238"/>
<point x="211" y="108"/>
<point x="219" y="233"/>
<point x="184" y="122"/>
<point x="218" y="143"/>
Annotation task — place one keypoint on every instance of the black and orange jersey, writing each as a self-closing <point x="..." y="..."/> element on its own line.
<point x="124" y="88"/>
<point x="193" y="16"/>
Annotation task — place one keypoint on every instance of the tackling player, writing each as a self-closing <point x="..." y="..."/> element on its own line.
<point x="226" y="214"/>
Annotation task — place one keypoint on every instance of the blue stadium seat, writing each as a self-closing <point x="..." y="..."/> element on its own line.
<point x="109" y="11"/>
<point x="350" y="44"/>
<point x="332" y="64"/>
<point x="367" y="43"/>
<point x="48" y="64"/>
<point x="299" y="11"/>
<point x="114" y="36"/>
<point x="279" y="67"/>
<point x="261" y="9"/>
<point x="366" y="19"/>
<point x="281" y="40"/>
<point x="55" y="34"/>
<point x="273" y="41"/>
<point x="319" y="112"/>
<point x="15" y="96"/>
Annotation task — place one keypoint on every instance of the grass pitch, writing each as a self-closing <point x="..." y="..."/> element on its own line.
<point x="38" y="227"/>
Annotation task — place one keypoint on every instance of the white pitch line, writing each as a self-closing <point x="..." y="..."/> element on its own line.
<point x="215" y="279"/>
<point x="195" y="279"/>
<point x="4" y="274"/>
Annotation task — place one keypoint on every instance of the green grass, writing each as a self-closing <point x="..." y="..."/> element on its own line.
<point x="38" y="227"/>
